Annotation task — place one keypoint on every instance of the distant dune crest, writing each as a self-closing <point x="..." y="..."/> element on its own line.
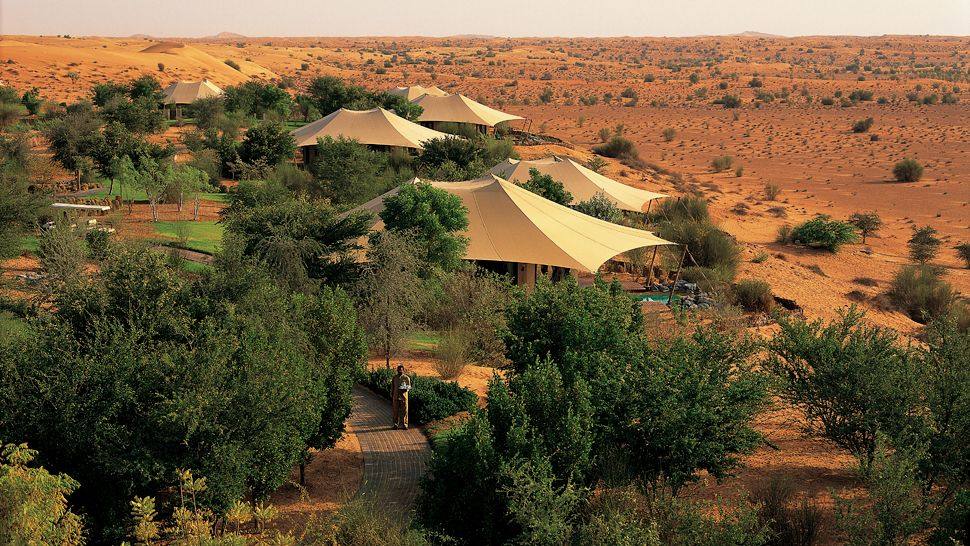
<point x="162" y="47"/>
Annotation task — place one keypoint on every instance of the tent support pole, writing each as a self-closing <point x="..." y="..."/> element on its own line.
<point x="670" y="297"/>
<point x="649" y="204"/>
<point x="650" y="270"/>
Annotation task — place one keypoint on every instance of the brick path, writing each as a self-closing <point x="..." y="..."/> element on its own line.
<point x="394" y="460"/>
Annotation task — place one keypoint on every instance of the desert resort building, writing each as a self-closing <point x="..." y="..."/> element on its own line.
<point x="377" y="128"/>
<point x="583" y="183"/>
<point x="459" y="109"/>
<point x="413" y="92"/>
<point x="516" y="232"/>
<point x="181" y="94"/>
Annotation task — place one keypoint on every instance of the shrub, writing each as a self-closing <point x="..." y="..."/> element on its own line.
<point x="668" y="134"/>
<point x="788" y="524"/>
<point x="596" y="164"/>
<point x="545" y="186"/>
<point x="827" y="101"/>
<point x="823" y="232"/>
<point x="712" y="249"/>
<point x="851" y="380"/>
<point x="862" y="125"/>
<point x="772" y="191"/>
<point x="785" y="234"/>
<point x="602" y="207"/>
<point x="691" y="208"/>
<point x="954" y="523"/>
<point x="722" y="163"/>
<point x="924" y="244"/>
<point x="921" y="293"/>
<point x="908" y="170"/>
<point x="739" y="171"/>
<point x="754" y="295"/>
<point x="452" y="354"/>
<point x="430" y="399"/>
<point x="963" y="251"/>
<point x="866" y="222"/>
<point x="98" y="241"/>
<point x="617" y="147"/>
<point x="233" y="64"/>
<point x="755" y="82"/>
<point x="729" y="101"/>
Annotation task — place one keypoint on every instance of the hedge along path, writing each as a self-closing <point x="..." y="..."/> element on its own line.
<point x="394" y="460"/>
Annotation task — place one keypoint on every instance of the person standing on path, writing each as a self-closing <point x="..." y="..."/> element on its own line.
<point x="400" y="385"/>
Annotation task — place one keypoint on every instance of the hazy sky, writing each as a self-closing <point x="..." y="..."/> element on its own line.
<point x="190" y="18"/>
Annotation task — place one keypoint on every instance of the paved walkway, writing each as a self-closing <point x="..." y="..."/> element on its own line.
<point x="394" y="460"/>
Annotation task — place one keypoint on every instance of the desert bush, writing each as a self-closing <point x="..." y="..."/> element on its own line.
<point x="827" y="101"/>
<point x="784" y="234"/>
<point x="692" y="208"/>
<point x="954" y="524"/>
<point x="233" y="64"/>
<point x="97" y="241"/>
<point x="772" y="191"/>
<point x="851" y="380"/>
<point x="668" y="134"/>
<point x="618" y="147"/>
<point x="546" y="186"/>
<point x="862" y="125"/>
<point x="710" y="247"/>
<point x="825" y="233"/>
<point x="755" y="82"/>
<point x="430" y="398"/>
<point x="921" y="293"/>
<point x="963" y="251"/>
<point x="908" y="170"/>
<point x="924" y="244"/>
<point x="362" y="522"/>
<point x="739" y="171"/>
<point x="452" y="354"/>
<point x="754" y="295"/>
<point x="788" y="523"/>
<point x="722" y="163"/>
<point x="596" y="164"/>
<point x="729" y="101"/>
<point x="866" y="222"/>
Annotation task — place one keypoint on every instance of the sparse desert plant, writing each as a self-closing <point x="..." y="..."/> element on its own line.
<point x="825" y="233"/>
<point x="789" y="523"/>
<point x="862" y="125"/>
<point x="908" y="170"/>
<point x="668" y="134"/>
<point x="452" y="354"/>
<point x="739" y="171"/>
<point x="827" y="101"/>
<point x="596" y="164"/>
<point x="754" y="295"/>
<point x="760" y="258"/>
<point x="866" y="222"/>
<point x="963" y="251"/>
<point x="924" y="244"/>
<point x="722" y="163"/>
<point x="604" y="134"/>
<point x="784" y="234"/>
<point x="772" y="191"/>
<point x="778" y="211"/>
<point x="233" y="64"/>
<point x="729" y="101"/>
<point x="920" y="292"/>
<point x="618" y="147"/>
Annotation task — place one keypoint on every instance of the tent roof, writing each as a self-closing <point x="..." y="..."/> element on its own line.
<point x="460" y="109"/>
<point x="188" y="92"/>
<point x="511" y="224"/>
<point x="583" y="183"/>
<point x="412" y="92"/>
<point x="376" y="127"/>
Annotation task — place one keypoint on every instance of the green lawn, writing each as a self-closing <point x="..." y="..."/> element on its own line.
<point x="195" y="267"/>
<point x="423" y="340"/>
<point x="294" y="124"/>
<point x="199" y="236"/>
<point x="139" y="195"/>
<point x="28" y="243"/>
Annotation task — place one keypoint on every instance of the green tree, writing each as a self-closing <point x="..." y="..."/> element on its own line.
<point x="257" y="99"/>
<point x="151" y="176"/>
<point x="301" y="242"/>
<point x="207" y="111"/>
<point x="127" y="365"/>
<point x="19" y="206"/>
<point x="544" y="185"/>
<point x="853" y="381"/>
<point x="33" y="502"/>
<point x="267" y="143"/>
<point x="924" y="244"/>
<point x="866" y="222"/>
<point x="435" y="217"/>
<point x="103" y="92"/>
<point x="348" y="172"/>
<point x="825" y="233"/>
<point x="145" y="87"/>
<point x="72" y="137"/>
<point x="389" y="291"/>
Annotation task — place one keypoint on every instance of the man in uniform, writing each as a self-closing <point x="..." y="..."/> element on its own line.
<point x="400" y="385"/>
